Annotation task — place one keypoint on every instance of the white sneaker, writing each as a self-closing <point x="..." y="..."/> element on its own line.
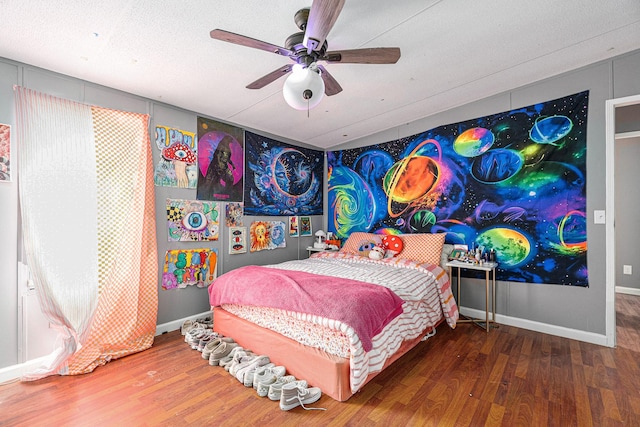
<point x="267" y="377"/>
<point x="294" y="394"/>
<point x="275" y="389"/>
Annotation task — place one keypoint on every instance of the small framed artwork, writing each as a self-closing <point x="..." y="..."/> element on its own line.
<point x="293" y="226"/>
<point x="305" y="226"/>
<point x="237" y="240"/>
<point x="457" y="254"/>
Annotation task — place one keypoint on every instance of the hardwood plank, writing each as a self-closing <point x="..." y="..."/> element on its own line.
<point x="464" y="377"/>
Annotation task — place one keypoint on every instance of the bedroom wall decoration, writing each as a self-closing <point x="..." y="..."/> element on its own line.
<point x="220" y="161"/>
<point x="267" y="235"/>
<point x="192" y="220"/>
<point x="305" y="226"/>
<point x="5" y="153"/>
<point x="177" y="166"/>
<point x="293" y="226"/>
<point x="234" y="212"/>
<point x="513" y="181"/>
<point x="237" y="240"/>
<point x="188" y="267"/>
<point x="282" y="179"/>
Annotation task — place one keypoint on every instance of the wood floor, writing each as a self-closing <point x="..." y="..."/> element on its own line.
<point x="461" y="377"/>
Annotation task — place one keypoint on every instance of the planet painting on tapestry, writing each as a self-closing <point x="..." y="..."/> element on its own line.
<point x="514" y="182"/>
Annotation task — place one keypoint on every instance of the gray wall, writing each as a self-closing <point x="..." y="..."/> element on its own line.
<point x="582" y="309"/>
<point x="577" y="308"/>
<point x="172" y="304"/>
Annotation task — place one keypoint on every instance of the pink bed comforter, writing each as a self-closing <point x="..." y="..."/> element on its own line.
<point x="366" y="307"/>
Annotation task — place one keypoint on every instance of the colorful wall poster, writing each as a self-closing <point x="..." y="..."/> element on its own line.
<point x="237" y="240"/>
<point x="282" y="179"/>
<point x="234" y="212"/>
<point x="5" y="153"/>
<point x="220" y="161"/>
<point x="267" y="235"/>
<point x="192" y="220"/>
<point x="514" y="182"/>
<point x="177" y="166"/>
<point x="305" y="226"/>
<point x="293" y="226"/>
<point x="188" y="267"/>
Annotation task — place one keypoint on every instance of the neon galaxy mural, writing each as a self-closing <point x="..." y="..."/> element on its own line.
<point x="513" y="181"/>
<point x="282" y="179"/>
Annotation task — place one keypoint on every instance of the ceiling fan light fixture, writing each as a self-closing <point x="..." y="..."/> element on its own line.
<point x="304" y="88"/>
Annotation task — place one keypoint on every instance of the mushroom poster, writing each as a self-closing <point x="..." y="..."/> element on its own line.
<point x="220" y="161"/>
<point x="177" y="166"/>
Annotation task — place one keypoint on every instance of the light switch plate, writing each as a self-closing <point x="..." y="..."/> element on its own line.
<point x="599" y="217"/>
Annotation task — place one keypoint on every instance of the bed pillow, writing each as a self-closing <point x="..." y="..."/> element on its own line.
<point x="393" y="245"/>
<point x="423" y="247"/>
<point x="360" y="243"/>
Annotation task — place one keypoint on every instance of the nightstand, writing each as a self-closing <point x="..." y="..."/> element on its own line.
<point x="490" y="280"/>
<point x="311" y="249"/>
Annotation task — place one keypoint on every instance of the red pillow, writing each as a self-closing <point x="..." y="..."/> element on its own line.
<point x="393" y="245"/>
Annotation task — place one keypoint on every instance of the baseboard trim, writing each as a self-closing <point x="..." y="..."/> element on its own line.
<point x="177" y="324"/>
<point x="14" y="372"/>
<point x="628" y="291"/>
<point x="545" y="328"/>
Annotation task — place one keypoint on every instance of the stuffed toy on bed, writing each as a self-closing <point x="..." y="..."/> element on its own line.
<point x="377" y="252"/>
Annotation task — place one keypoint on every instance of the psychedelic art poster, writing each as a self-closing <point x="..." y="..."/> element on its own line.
<point x="188" y="267"/>
<point x="178" y="158"/>
<point x="514" y="182"/>
<point x="220" y="161"/>
<point x="192" y="220"/>
<point x="267" y="235"/>
<point x="282" y="179"/>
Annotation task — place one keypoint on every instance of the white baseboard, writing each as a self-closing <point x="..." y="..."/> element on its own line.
<point x="628" y="291"/>
<point x="559" y="331"/>
<point x="14" y="372"/>
<point x="177" y="324"/>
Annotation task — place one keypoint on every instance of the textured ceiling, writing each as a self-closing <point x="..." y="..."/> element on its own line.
<point x="453" y="52"/>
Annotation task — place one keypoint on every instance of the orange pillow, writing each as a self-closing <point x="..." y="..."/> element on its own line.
<point x="358" y="240"/>
<point x="423" y="247"/>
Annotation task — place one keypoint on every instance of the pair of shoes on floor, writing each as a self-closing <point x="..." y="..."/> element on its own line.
<point x="246" y="366"/>
<point x="196" y="331"/>
<point x="210" y="346"/>
<point x="263" y="378"/>
<point x="295" y="393"/>
<point x="198" y="340"/>
<point x="275" y="389"/>
<point x="223" y="353"/>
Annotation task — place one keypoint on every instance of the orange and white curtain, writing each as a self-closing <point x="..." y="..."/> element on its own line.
<point x="87" y="205"/>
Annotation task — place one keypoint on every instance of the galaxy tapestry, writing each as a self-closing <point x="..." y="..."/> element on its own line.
<point x="514" y="182"/>
<point x="220" y="161"/>
<point x="282" y="179"/>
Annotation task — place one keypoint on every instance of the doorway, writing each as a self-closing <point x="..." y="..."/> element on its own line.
<point x="613" y="134"/>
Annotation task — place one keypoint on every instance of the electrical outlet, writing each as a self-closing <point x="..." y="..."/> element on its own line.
<point x="599" y="217"/>
<point x="627" y="269"/>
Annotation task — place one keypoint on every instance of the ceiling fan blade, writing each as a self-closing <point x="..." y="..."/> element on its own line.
<point x="322" y="17"/>
<point x="331" y="85"/>
<point x="230" y="37"/>
<point x="270" y="78"/>
<point x="374" y="55"/>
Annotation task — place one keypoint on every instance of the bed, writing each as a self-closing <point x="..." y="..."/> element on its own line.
<point x="338" y="319"/>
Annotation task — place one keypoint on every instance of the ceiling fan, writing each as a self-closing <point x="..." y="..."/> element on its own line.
<point x="306" y="49"/>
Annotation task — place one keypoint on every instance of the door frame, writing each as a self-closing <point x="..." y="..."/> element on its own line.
<point x="610" y="280"/>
